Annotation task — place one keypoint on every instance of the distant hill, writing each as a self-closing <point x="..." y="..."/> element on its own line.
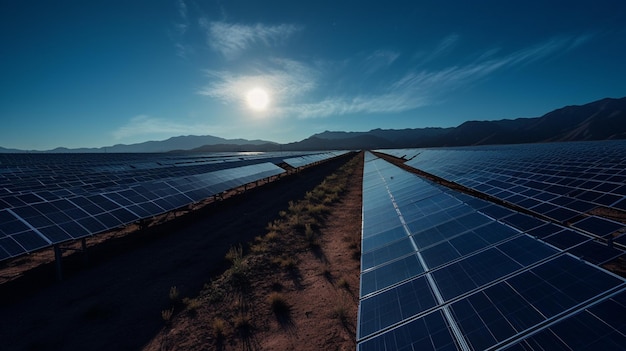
<point x="180" y="143"/>
<point x="188" y="142"/>
<point x="599" y="120"/>
<point x="8" y="151"/>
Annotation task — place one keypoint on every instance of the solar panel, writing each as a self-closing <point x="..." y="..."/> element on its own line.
<point x="47" y="199"/>
<point x="568" y="183"/>
<point x="309" y="159"/>
<point x="453" y="272"/>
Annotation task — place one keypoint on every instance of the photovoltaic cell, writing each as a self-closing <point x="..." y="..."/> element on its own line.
<point x="598" y="226"/>
<point x="46" y="199"/>
<point x="394" y="305"/>
<point x="428" y="333"/>
<point x="389" y="274"/>
<point x="483" y="274"/>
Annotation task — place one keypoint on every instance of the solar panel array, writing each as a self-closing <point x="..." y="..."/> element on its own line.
<point x="306" y="160"/>
<point x="443" y="270"/>
<point x="568" y="183"/>
<point x="47" y="199"/>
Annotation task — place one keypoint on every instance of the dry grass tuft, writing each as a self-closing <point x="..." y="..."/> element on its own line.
<point x="278" y="303"/>
<point x="166" y="315"/>
<point x="173" y="294"/>
<point x="192" y="304"/>
<point x="343" y="283"/>
<point x="218" y="327"/>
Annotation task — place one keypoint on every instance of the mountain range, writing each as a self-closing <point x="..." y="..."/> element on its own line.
<point x="599" y="120"/>
<point x="187" y="142"/>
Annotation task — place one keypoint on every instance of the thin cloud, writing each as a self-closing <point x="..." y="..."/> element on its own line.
<point x="287" y="80"/>
<point x="180" y="29"/>
<point x="231" y="39"/>
<point x="379" y="60"/>
<point x="182" y="9"/>
<point x="182" y="14"/>
<point x="385" y="103"/>
<point x="445" y="46"/>
<point x="143" y="125"/>
<point x="432" y="84"/>
<point x="297" y="85"/>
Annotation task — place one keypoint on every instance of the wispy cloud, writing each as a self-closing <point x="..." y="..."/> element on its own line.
<point x="378" y="60"/>
<point x="383" y="103"/>
<point x="143" y="125"/>
<point x="432" y="84"/>
<point x="298" y="86"/>
<point x="445" y="46"/>
<point x="182" y="13"/>
<point x="231" y="39"/>
<point x="180" y="29"/>
<point x="284" y="80"/>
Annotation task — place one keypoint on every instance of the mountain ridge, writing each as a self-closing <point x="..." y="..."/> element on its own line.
<point x="603" y="119"/>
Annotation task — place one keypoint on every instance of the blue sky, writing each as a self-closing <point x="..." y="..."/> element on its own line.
<point x="98" y="73"/>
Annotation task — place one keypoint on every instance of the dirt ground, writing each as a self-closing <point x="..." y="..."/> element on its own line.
<point x="115" y="302"/>
<point x="320" y="293"/>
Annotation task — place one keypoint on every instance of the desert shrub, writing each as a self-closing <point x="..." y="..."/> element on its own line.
<point x="260" y="247"/>
<point x="213" y="292"/>
<point x="343" y="283"/>
<point x="297" y="221"/>
<point x="276" y="225"/>
<point x="295" y="208"/>
<point x="340" y="312"/>
<point x="356" y="255"/>
<point x="317" y="210"/>
<point x="235" y="254"/>
<point x="192" y="304"/>
<point x="218" y="327"/>
<point x="243" y="323"/>
<point x="166" y="315"/>
<point x="330" y="198"/>
<point x="286" y="262"/>
<point x="173" y="294"/>
<point x="238" y="275"/>
<point x="326" y="272"/>
<point x="311" y="236"/>
<point x="272" y="236"/>
<point x="278" y="303"/>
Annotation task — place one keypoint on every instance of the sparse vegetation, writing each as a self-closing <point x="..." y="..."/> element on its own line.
<point x="285" y="262"/>
<point x="213" y="292"/>
<point x="278" y="303"/>
<point x="235" y="254"/>
<point x="243" y="323"/>
<point x="272" y="236"/>
<point x="326" y="272"/>
<point x="340" y="312"/>
<point x="192" y="304"/>
<point x="166" y="315"/>
<point x="173" y="294"/>
<point x="237" y="275"/>
<point x="270" y="270"/>
<point x="343" y="283"/>
<point x="218" y="327"/>
<point x="311" y="236"/>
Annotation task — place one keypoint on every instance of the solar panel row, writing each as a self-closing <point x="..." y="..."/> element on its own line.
<point x="570" y="183"/>
<point x="47" y="199"/>
<point x="38" y="223"/>
<point x="443" y="270"/>
<point x="305" y="160"/>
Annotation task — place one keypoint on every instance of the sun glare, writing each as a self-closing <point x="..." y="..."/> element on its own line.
<point x="258" y="99"/>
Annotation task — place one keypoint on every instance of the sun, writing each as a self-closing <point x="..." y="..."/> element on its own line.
<point x="257" y="99"/>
